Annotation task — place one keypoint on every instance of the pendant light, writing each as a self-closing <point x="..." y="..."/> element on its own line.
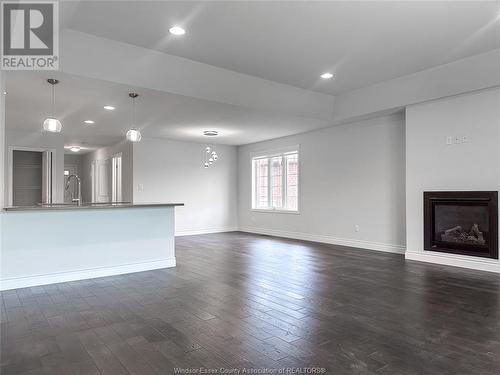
<point x="133" y="135"/>
<point x="211" y="155"/>
<point x="51" y="124"/>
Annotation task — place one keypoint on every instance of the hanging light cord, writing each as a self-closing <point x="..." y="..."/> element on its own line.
<point x="133" y="112"/>
<point x="53" y="101"/>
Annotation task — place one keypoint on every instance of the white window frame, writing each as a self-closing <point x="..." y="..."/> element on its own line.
<point x="269" y="154"/>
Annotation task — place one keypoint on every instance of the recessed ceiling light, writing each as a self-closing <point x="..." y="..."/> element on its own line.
<point x="210" y="133"/>
<point x="75" y="148"/>
<point x="177" y="30"/>
<point x="89" y="122"/>
<point x="326" y="75"/>
<point x="109" y="108"/>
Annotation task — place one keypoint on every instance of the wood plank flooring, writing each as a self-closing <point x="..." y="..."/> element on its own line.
<point x="238" y="300"/>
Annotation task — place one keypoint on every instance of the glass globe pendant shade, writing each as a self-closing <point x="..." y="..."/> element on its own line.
<point x="134" y="135"/>
<point x="52" y="125"/>
<point x="206" y="165"/>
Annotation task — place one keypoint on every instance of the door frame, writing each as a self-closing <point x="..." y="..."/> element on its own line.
<point x="116" y="178"/>
<point x="10" y="166"/>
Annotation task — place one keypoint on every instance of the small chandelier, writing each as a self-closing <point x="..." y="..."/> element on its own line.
<point x="211" y="155"/>
<point x="133" y="135"/>
<point x="51" y="124"/>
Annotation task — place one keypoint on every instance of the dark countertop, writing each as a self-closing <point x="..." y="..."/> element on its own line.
<point x="87" y="206"/>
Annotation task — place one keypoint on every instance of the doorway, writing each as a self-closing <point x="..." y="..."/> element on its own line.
<point x="107" y="180"/>
<point x="30" y="173"/>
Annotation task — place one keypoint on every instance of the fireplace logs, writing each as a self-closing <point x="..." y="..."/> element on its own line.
<point x="457" y="234"/>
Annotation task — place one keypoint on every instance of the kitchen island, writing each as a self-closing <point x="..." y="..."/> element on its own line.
<point x="56" y="243"/>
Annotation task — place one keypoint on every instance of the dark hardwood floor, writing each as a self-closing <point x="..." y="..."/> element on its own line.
<point x="246" y="301"/>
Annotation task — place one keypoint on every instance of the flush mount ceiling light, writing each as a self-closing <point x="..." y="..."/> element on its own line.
<point x="89" y="122"/>
<point x="133" y="135"/>
<point x="51" y="124"/>
<point x="211" y="133"/>
<point x="109" y="108"/>
<point x="326" y="75"/>
<point x="75" y="148"/>
<point x="177" y="30"/>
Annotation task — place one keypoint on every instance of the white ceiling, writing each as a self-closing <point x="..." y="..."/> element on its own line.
<point x="286" y="42"/>
<point x="294" y="42"/>
<point x="159" y="114"/>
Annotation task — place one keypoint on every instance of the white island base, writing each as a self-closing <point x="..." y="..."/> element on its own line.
<point x="44" y="246"/>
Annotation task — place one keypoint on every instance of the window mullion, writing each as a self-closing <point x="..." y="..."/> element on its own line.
<point x="284" y="173"/>
<point x="269" y="184"/>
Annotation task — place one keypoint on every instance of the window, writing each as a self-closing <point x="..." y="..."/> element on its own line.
<point x="276" y="181"/>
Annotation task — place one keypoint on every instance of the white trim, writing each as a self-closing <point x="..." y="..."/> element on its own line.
<point x="116" y="177"/>
<point x="29" y="281"/>
<point x="192" y="232"/>
<point x="475" y="263"/>
<point x="369" y="245"/>
<point x="275" y="211"/>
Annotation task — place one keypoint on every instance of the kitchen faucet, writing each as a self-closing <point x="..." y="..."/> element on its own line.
<point x="79" y="182"/>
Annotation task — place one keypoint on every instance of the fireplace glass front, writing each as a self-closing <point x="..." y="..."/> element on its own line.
<point x="461" y="223"/>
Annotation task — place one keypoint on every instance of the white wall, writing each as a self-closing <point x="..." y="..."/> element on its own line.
<point x="104" y="153"/>
<point x="2" y="138"/>
<point x="38" y="140"/>
<point x="172" y="171"/>
<point x="350" y="175"/>
<point x="431" y="164"/>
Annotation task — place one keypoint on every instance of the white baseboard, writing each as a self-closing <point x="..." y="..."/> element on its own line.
<point x="192" y="232"/>
<point x="475" y="263"/>
<point x="378" y="246"/>
<point x="29" y="281"/>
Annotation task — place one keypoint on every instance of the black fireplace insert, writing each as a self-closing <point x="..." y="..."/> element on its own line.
<point x="461" y="222"/>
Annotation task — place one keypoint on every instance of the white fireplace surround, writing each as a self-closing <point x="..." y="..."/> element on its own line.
<point x="434" y="165"/>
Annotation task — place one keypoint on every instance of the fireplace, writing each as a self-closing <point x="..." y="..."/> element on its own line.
<point x="462" y="222"/>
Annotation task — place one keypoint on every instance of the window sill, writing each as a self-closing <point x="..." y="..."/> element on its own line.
<point x="273" y="211"/>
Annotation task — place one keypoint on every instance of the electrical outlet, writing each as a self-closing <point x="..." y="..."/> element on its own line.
<point x="140" y="187"/>
<point x="449" y="140"/>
